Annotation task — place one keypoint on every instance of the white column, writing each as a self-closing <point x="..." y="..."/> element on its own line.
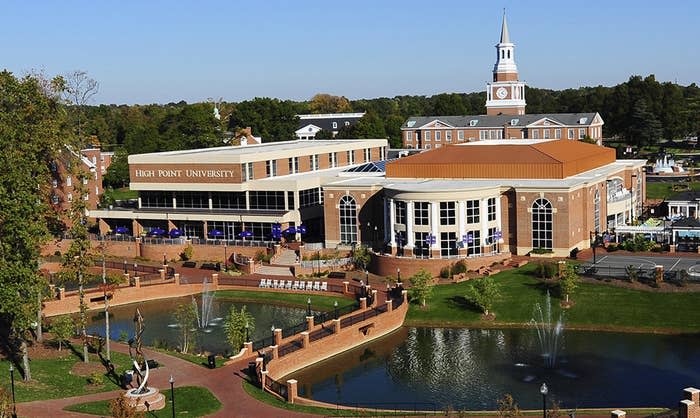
<point x="247" y="200"/>
<point x="392" y="221"/>
<point x="498" y="213"/>
<point x="211" y="203"/>
<point x="409" y="225"/>
<point x="461" y="219"/>
<point x="484" y="218"/>
<point x="174" y="202"/>
<point x="386" y="220"/>
<point x="434" y="223"/>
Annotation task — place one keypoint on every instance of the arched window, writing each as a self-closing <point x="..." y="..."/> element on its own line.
<point x="348" y="220"/>
<point x="509" y="54"/>
<point x="596" y="211"/>
<point x="542" y="224"/>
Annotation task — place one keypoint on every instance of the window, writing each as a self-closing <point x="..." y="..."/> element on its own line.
<point x="247" y="171"/>
<point x="596" y="211"/>
<point x="228" y="200"/>
<point x="409" y="136"/>
<point x="546" y="133"/>
<point x="474" y="242"/>
<point x="491" y="206"/>
<point x="309" y="197"/>
<point x="438" y="136"/>
<point x="266" y="200"/>
<point x="335" y="125"/>
<point x="483" y="135"/>
<point x="54" y="183"/>
<point x="347" y="123"/>
<point x="86" y="197"/>
<point x="491" y="239"/>
<point x="351" y="157"/>
<point x="542" y="224"/>
<point x="156" y="199"/>
<point x="348" y="220"/>
<point x="427" y="136"/>
<point x="293" y="165"/>
<point x="271" y="168"/>
<point x="570" y="133"/>
<point x="198" y="200"/>
<point x="421" y="213"/>
<point x="447" y="213"/>
<point x="85" y="180"/>
<point x="54" y="199"/>
<point x="400" y="212"/>
<point x="382" y="153"/>
<point x="581" y="133"/>
<point x="70" y="197"/>
<point x="473" y="122"/>
<point x="448" y="244"/>
<point x="557" y="133"/>
<point x="473" y="211"/>
<point x="368" y="155"/>
<point x="427" y="146"/>
<point x="535" y="134"/>
<point x="314" y="162"/>
<point x="332" y="159"/>
<point x="460" y="135"/>
<point x="290" y="200"/>
<point x="448" y="136"/>
<point x="421" y="249"/>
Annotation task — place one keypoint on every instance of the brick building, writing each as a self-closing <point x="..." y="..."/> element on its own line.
<point x="505" y="114"/>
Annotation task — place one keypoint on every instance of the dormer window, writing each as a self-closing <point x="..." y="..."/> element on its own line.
<point x="335" y="125"/>
<point x="514" y="122"/>
<point x="582" y="121"/>
<point x="473" y="122"/>
<point x="347" y="123"/>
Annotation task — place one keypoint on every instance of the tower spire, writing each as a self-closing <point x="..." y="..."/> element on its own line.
<point x="505" y="36"/>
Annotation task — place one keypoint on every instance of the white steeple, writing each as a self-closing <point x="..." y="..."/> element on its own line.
<point x="505" y="94"/>
<point x="505" y="54"/>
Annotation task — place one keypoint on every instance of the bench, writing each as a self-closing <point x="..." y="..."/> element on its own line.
<point x="210" y="266"/>
<point x="101" y="298"/>
<point x="336" y="275"/>
<point x="189" y="264"/>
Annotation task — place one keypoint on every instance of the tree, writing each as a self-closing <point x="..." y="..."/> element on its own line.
<point x="327" y="103"/>
<point x="421" y="286"/>
<point x="117" y="174"/>
<point x="324" y="134"/>
<point x="235" y="326"/>
<point x="5" y="404"/>
<point x="507" y="407"/>
<point x="78" y="90"/>
<point x="186" y="318"/>
<point x="361" y="257"/>
<point x="32" y="126"/>
<point x="568" y="282"/>
<point x="483" y="293"/>
<point x="63" y="328"/>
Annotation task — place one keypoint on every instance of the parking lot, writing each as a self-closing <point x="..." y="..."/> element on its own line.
<point x="690" y="264"/>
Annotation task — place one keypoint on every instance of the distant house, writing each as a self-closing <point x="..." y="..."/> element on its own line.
<point x="310" y="125"/>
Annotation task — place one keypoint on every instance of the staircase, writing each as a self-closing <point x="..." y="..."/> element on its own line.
<point x="273" y="271"/>
<point x="286" y="257"/>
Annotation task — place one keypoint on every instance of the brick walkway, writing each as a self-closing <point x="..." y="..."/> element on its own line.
<point x="225" y="383"/>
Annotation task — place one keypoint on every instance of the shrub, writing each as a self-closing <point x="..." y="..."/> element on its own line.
<point x="541" y="251"/>
<point x="546" y="270"/>
<point x="612" y="248"/>
<point x="121" y="408"/>
<point x="96" y="379"/>
<point x="444" y="272"/>
<point x="187" y="253"/>
<point x="459" y="267"/>
<point x="632" y="273"/>
<point x="57" y="253"/>
<point x="262" y="256"/>
<point x="123" y="336"/>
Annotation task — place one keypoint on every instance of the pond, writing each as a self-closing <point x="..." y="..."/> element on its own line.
<point x="471" y="369"/>
<point x="160" y="325"/>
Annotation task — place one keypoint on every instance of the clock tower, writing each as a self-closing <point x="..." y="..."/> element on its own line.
<point x="505" y="94"/>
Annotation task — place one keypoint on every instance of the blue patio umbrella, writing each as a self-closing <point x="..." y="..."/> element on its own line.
<point x="216" y="233"/>
<point x="245" y="234"/>
<point x="301" y="229"/>
<point x="121" y="230"/>
<point x="175" y="233"/>
<point x="157" y="232"/>
<point x="290" y="230"/>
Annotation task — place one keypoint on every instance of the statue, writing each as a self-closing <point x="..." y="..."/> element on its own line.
<point x="143" y="397"/>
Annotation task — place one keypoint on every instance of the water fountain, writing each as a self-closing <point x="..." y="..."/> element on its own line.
<point x="204" y="319"/>
<point x="549" y="334"/>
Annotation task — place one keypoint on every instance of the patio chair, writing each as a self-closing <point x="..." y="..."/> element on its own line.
<point x="289" y="284"/>
<point x="295" y="285"/>
<point x="324" y="286"/>
<point x="309" y="285"/>
<point x="262" y="283"/>
<point x="268" y="283"/>
<point x="317" y="286"/>
<point x="275" y="284"/>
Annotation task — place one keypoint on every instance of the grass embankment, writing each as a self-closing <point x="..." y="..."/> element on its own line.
<point x="597" y="306"/>
<point x="52" y="377"/>
<point x="190" y="401"/>
<point x="660" y="190"/>
<point x="124" y="193"/>
<point x="318" y="302"/>
<point x="192" y="358"/>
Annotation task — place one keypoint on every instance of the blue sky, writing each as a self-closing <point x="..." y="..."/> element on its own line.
<point x="162" y="51"/>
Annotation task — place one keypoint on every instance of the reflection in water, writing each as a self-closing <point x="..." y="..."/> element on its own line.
<point x="160" y="324"/>
<point x="471" y="369"/>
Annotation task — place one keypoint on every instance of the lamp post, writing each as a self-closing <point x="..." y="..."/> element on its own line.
<point x="172" y="393"/>
<point x="335" y="309"/>
<point x="308" y="307"/>
<point x="398" y="276"/>
<point x="165" y="259"/>
<point x="593" y="239"/>
<point x="12" y="379"/>
<point x="272" y="330"/>
<point x="125" y="271"/>
<point x="543" y="391"/>
<point x="225" y="257"/>
<point x="135" y="267"/>
<point x="246" y="331"/>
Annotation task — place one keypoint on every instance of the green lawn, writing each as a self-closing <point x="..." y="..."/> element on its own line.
<point x="597" y="306"/>
<point x="192" y="358"/>
<point x="190" y="401"/>
<point x="657" y="190"/>
<point x="51" y="378"/>
<point x="124" y="194"/>
<point x="318" y="302"/>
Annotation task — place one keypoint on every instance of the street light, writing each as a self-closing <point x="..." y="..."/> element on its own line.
<point x="335" y="308"/>
<point x="308" y="307"/>
<point x="165" y="260"/>
<point x="543" y="391"/>
<point x="246" y="331"/>
<point x="272" y="329"/>
<point x="12" y="379"/>
<point x="125" y="272"/>
<point x="225" y="257"/>
<point x="135" y="267"/>
<point x="172" y="393"/>
<point x="398" y="276"/>
<point x="634" y="176"/>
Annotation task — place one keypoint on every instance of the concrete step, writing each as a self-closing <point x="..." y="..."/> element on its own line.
<point x="286" y="258"/>
<point x="273" y="271"/>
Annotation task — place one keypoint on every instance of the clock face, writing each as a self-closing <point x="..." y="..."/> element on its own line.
<point x="501" y="92"/>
